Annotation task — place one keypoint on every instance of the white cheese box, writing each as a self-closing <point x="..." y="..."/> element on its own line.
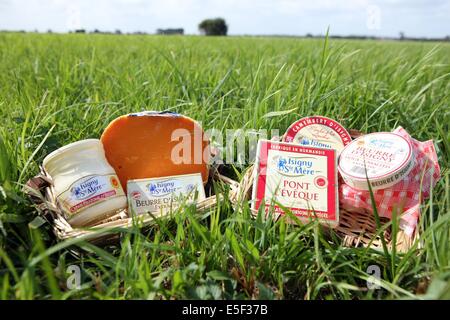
<point x="162" y="195"/>
<point x="300" y="178"/>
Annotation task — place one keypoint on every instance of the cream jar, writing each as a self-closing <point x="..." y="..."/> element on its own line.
<point x="86" y="186"/>
<point x="386" y="157"/>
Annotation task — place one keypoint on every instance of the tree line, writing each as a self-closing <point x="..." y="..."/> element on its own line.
<point x="209" y="27"/>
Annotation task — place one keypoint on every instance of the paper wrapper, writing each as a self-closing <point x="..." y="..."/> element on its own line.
<point x="406" y="195"/>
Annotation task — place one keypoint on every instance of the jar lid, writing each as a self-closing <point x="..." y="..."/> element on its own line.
<point x="387" y="157"/>
<point x="75" y="146"/>
<point x="318" y="131"/>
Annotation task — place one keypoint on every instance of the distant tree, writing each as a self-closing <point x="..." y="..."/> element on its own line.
<point x="213" y="27"/>
<point x="80" y="31"/>
<point x="402" y="35"/>
<point x="118" y="31"/>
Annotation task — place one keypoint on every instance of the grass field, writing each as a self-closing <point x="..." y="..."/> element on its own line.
<point x="56" y="89"/>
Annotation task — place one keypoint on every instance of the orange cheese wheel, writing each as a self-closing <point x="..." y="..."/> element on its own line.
<point x="155" y="144"/>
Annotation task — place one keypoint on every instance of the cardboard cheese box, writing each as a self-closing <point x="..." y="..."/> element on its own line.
<point x="303" y="179"/>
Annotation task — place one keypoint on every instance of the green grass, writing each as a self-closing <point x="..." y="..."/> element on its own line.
<point x="56" y="89"/>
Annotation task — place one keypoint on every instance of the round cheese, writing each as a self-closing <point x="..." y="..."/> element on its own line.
<point x="319" y="132"/>
<point x="155" y="144"/>
<point x="386" y="157"/>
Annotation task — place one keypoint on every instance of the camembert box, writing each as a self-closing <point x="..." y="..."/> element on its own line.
<point x="300" y="178"/>
<point x="161" y="195"/>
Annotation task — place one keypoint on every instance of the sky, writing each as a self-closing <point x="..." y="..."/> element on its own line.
<point x="415" y="18"/>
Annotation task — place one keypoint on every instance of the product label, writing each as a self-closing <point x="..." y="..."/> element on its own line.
<point x="300" y="178"/>
<point x="160" y="195"/>
<point x="386" y="157"/>
<point x="88" y="191"/>
<point x="318" y="132"/>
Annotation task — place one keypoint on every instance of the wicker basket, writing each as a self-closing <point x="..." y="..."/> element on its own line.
<point x="357" y="228"/>
<point x="42" y="193"/>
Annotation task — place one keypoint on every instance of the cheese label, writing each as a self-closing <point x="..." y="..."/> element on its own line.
<point x="318" y="132"/>
<point x="161" y="195"/>
<point x="300" y="178"/>
<point x="88" y="191"/>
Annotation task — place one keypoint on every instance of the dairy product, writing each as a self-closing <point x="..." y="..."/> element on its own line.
<point x="318" y="132"/>
<point x="160" y="195"/>
<point x="301" y="179"/>
<point x="386" y="158"/>
<point x="155" y="144"/>
<point x="86" y="186"/>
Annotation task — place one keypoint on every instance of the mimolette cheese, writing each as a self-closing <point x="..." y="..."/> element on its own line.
<point x="155" y="144"/>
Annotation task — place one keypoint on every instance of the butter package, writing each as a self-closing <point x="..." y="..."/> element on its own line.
<point x="384" y="158"/>
<point x="161" y="195"/>
<point x="300" y="178"/>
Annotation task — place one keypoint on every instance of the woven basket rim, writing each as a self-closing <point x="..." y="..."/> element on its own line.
<point x="40" y="190"/>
